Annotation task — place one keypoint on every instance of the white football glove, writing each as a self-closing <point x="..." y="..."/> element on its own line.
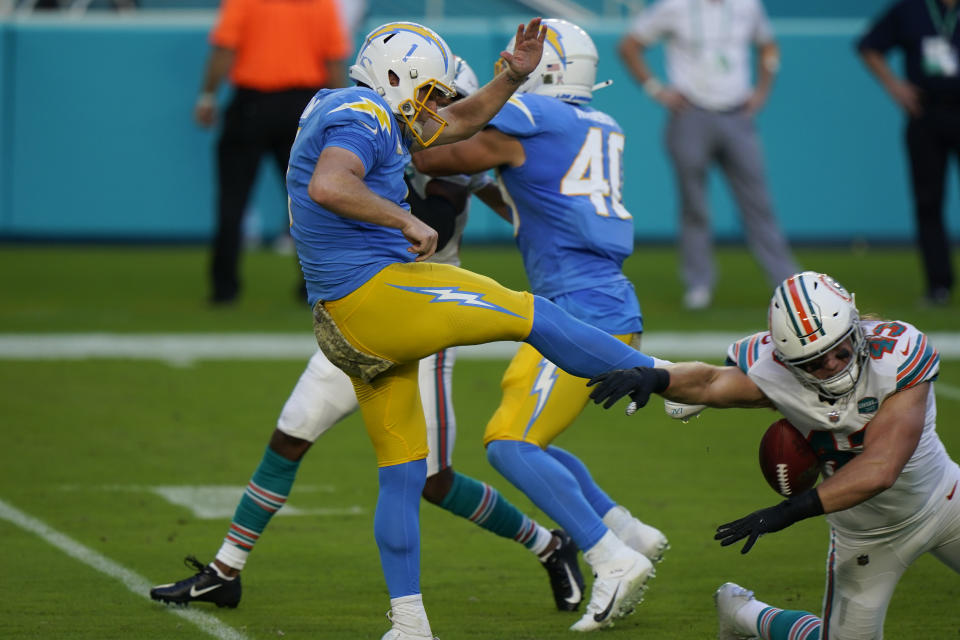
<point x="682" y="412"/>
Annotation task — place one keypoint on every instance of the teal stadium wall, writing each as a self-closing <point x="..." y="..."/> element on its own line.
<point x="97" y="141"/>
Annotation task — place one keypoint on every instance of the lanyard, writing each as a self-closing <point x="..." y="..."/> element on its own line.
<point x="944" y="24"/>
<point x="696" y="23"/>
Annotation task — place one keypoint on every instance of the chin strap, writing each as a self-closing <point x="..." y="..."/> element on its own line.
<point x="602" y="85"/>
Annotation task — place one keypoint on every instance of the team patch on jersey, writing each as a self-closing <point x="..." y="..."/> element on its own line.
<point x="868" y="405"/>
<point x="371" y="108"/>
<point x="454" y="294"/>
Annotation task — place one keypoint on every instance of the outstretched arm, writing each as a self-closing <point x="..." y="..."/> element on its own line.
<point x="465" y="117"/>
<point x="687" y="382"/>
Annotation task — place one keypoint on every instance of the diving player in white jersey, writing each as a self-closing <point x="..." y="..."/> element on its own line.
<point x="378" y="308"/>
<point x="324" y="395"/>
<point x="558" y="163"/>
<point x="861" y="391"/>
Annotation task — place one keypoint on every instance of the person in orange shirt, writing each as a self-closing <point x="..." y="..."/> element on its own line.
<point x="278" y="54"/>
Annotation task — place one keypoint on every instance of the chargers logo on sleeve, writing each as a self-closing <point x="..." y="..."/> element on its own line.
<point x="370" y="108"/>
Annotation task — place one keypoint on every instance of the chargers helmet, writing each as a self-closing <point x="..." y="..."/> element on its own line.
<point x="464" y="79"/>
<point x="810" y="314"/>
<point x="398" y="60"/>
<point x="568" y="67"/>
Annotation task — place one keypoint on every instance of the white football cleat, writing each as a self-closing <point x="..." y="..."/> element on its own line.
<point x="618" y="588"/>
<point x="729" y="599"/>
<point x="682" y="412"/>
<point x="637" y="535"/>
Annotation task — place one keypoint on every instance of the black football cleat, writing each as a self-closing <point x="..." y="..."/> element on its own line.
<point x="204" y="586"/>
<point x="566" y="581"/>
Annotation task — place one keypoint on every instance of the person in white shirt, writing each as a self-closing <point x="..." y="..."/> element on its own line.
<point x="712" y="104"/>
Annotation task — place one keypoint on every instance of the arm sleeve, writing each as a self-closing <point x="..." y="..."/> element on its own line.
<point x="762" y="30"/>
<point x="654" y="22"/>
<point x="884" y="34"/>
<point x="335" y="41"/>
<point x="226" y="32"/>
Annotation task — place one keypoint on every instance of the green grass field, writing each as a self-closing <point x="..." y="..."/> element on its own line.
<point x="90" y="448"/>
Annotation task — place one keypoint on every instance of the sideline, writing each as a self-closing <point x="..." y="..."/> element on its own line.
<point x="132" y="581"/>
<point x="183" y="349"/>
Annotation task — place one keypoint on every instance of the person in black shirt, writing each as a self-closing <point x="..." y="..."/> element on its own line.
<point x="925" y="31"/>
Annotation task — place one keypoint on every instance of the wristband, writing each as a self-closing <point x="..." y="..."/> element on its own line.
<point x="661" y="380"/>
<point x="771" y="63"/>
<point x="653" y="87"/>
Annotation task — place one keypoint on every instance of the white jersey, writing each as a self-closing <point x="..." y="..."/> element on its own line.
<point x="899" y="357"/>
<point x="450" y="254"/>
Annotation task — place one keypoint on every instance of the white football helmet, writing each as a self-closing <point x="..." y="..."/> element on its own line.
<point x="464" y="79"/>
<point x="568" y="67"/>
<point x="810" y="314"/>
<point x="398" y="60"/>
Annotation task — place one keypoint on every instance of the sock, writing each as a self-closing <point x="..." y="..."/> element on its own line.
<point x="266" y="492"/>
<point x="551" y="487"/>
<point x="577" y="347"/>
<point x="396" y="525"/>
<point x="781" y="624"/>
<point x="484" y="506"/>
<point x="409" y="616"/>
<point x="604" y="550"/>
<point x="599" y="500"/>
<point x="219" y="573"/>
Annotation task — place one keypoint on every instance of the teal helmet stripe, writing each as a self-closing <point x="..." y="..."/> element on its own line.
<point x="813" y="313"/>
<point x="785" y="300"/>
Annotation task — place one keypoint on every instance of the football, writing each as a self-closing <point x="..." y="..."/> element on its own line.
<point x="787" y="460"/>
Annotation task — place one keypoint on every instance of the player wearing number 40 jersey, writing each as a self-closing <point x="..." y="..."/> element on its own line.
<point x="558" y="163"/>
<point x="861" y="391"/>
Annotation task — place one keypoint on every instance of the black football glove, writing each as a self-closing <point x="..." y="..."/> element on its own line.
<point x="638" y="383"/>
<point x="781" y="516"/>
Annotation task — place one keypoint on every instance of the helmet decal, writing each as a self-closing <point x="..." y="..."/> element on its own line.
<point x="425" y="33"/>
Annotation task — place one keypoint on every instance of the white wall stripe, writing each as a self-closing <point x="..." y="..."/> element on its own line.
<point x="186" y="348"/>
<point x="135" y="583"/>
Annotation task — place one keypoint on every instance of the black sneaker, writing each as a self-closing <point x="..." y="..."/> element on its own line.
<point x="204" y="586"/>
<point x="566" y="581"/>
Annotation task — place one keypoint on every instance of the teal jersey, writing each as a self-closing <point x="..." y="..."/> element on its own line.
<point x="569" y="221"/>
<point x="338" y="254"/>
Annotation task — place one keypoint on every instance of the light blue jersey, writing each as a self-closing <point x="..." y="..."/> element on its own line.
<point x="570" y="224"/>
<point x="338" y="254"/>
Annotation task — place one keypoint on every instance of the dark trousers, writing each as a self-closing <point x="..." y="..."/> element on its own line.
<point x="931" y="139"/>
<point x="255" y="123"/>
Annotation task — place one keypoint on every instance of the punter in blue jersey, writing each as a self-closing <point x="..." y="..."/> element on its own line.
<point x="378" y="308"/>
<point x="558" y="162"/>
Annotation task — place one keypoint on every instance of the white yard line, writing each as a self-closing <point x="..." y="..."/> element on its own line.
<point x="944" y="390"/>
<point x="186" y="348"/>
<point x="136" y="583"/>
